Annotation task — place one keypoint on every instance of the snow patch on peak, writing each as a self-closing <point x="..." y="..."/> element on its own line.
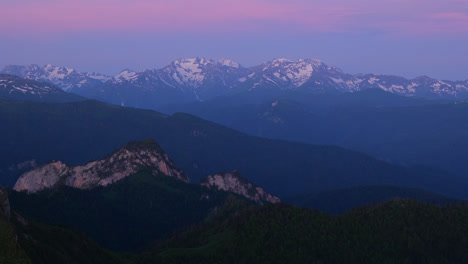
<point x="372" y="80"/>
<point x="281" y="60"/>
<point x="126" y="75"/>
<point x="189" y="72"/>
<point x="190" y="65"/>
<point x="229" y="63"/>
<point x="57" y="73"/>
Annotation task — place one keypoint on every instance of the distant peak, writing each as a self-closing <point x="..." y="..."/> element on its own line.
<point x="281" y="60"/>
<point x="126" y="74"/>
<point x="315" y="61"/>
<point x="423" y="77"/>
<point x="195" y="60"/>
<point x="229" y="63"/>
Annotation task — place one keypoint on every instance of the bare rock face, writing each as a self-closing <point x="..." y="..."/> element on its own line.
<point x="234" y="182"/>
<point x="128" y="160"/>
<point x="4" y="204"/>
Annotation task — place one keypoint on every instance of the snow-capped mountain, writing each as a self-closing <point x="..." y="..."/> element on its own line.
<point x="199" y="79"/>
<point x="14" y="87"/>
<point x="284" y="74"/>
<point x="195" y="77"/>
<point x="314" y="75"/>
<point x="63" y="77"/>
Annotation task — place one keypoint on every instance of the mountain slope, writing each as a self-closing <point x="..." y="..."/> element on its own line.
<point x="13" y="87"/>
<point x="39" y="132"/>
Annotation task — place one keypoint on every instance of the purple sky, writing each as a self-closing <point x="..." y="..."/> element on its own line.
<point x="404" y="37"/>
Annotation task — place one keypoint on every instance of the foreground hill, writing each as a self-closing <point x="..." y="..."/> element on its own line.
<point x="342" y="200"/>
<point x="399" y="231"/>
<point x="25" y="241"/>
<point x="34" y="133"/>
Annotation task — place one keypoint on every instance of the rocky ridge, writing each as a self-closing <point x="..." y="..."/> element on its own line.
<point x="128" y="160"/>
<point x="234" y="182"/>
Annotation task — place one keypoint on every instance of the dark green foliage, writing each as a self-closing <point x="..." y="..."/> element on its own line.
<point x="78" y="132"/>
<point x="342" y="200"/>
<point x="10" y="252"/>
<point x="400" y="231"/>
<point x="126" y="215"/>
<point x="46" y="244"/>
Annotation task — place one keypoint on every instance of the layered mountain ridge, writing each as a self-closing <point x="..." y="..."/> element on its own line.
<point x="128" y="160"/>
<point x="199" y="79"/>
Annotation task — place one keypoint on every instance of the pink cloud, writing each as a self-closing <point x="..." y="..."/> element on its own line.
<point x="234" y="15"/>
<point x="452" y="16"/>
<point x="143" y="15"/>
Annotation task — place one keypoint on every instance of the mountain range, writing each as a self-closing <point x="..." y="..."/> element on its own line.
<point x="199" y="79"/>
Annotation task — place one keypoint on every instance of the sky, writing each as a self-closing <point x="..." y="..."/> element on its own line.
<point x="401" y="37"/>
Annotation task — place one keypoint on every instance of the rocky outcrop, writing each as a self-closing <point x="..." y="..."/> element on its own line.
<point x="4" y="204"/>
<point x="234" y="182"/>
<point x="128" y="160"/>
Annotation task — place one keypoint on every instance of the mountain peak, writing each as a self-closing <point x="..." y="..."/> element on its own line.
<point x="128" y="160"/>
<point x="234" y="182"/>
<point x="423" y="78"/>
<point x="229" y="63"/>
<point x="281" y="60"/>
<point x="287" y="74"/>
<point x="192" y="61"/>
<point x="126" y="75"/>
